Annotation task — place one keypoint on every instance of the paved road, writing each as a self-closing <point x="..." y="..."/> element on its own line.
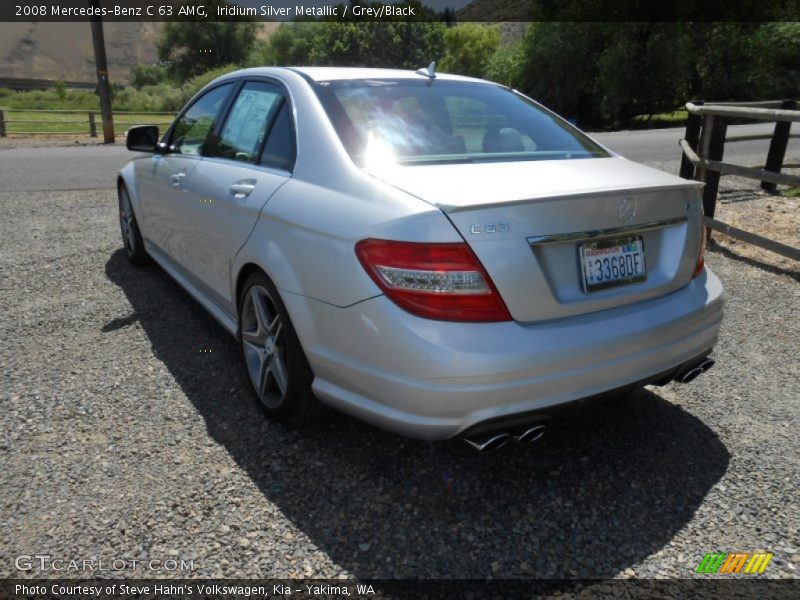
<point x="661" y="145"/>
<point x="93" y="167"/>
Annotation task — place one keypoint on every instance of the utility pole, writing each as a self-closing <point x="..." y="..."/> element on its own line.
<point x="103" y="85"/>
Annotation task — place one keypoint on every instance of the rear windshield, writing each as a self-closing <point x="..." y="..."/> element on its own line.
<point x="424" y="121"/>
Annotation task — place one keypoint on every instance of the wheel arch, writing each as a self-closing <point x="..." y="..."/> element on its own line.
<point x="245" y="271"/>
<point x="126" y="177"/>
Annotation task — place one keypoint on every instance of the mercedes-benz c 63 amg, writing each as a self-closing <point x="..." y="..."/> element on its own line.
<point x="438" y="255"/>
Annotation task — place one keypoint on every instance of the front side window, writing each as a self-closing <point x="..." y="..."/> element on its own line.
<point x="409" y="121"/>
<point x="248" y="121"/>
<point x="191" y="131"/>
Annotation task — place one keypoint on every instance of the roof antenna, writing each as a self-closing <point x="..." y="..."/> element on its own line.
<point x="430" y="72"/>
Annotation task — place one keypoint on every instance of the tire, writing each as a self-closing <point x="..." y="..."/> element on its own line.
<point x="129" y="228"/>
<point x="276" y="365"/>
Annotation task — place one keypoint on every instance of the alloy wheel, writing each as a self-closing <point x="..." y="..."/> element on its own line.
<point x="264" y="348"/>
<point x="126" y="221"/>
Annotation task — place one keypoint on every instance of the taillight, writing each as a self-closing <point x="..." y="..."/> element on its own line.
<point x="435" y="281"/>
<point x="701" y="257"/>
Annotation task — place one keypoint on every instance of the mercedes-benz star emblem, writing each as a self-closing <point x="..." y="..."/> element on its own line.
<point x="627" y="210"/>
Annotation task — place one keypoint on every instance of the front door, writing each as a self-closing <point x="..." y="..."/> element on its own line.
<point x="168" y="185"/>
<point x="252" y="156"/>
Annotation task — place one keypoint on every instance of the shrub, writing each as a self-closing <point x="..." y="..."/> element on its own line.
<point x="143" y="75"/>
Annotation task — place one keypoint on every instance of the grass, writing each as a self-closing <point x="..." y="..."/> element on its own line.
<point x="792" y="192"/>
<point x="165" y="97"/>
<point x="48" y="100"/>
<point x="23" y="106"/>
<point x="673" y="118"/>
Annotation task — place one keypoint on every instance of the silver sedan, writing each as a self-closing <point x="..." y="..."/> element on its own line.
<point x="437" y="255"/>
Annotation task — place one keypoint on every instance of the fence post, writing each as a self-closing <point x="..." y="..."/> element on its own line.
<point x="92" y="125"/>
<point x="692" y="137"/>
<point x="2" y="124"/>
<point x="712" y="147"/>
<point x="777" y="147"/>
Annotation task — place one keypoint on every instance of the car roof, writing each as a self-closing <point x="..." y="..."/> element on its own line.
<point x="332" y="73"/>
<point x="336" y="73"/>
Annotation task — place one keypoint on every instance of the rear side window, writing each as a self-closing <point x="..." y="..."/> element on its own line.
<point x="280" y="149"/>
<point x="248" y="121"/>
<point x="190" y="133"/>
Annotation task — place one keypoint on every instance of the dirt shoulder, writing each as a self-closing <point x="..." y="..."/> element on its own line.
<point x="776" y="217"/>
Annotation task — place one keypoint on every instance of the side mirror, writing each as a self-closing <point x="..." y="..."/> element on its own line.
<point x="142" y="139"/>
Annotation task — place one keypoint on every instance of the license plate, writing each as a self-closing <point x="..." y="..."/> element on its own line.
<point x="609" y="263"/>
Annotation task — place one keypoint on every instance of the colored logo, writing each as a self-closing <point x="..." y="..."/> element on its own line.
<point x="734" y="562"/>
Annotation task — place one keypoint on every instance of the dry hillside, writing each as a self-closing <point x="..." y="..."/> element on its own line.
<point x="64" y="50"/>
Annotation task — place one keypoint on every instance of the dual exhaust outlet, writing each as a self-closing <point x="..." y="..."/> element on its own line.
<point x="493" y="440"/>
<point x="693" y="371"/>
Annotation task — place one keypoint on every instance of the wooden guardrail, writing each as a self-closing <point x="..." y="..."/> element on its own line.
<point x="88" y="121"/>
<point x="704" y="145"/>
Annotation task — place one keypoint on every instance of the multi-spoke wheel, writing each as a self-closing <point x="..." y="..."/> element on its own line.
<point x="274" y="358"/>
<point x="131" y="236"/>
<point x="264" y="350"/>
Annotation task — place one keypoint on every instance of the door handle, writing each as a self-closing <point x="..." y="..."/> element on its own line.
<point x="176" y="178"/>
<point x="242" y="189"/>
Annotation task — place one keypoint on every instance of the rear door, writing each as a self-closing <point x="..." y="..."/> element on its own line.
<point x="251" y="157"/>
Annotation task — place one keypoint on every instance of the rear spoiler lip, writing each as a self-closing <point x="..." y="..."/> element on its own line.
<point x="601" y="192"/>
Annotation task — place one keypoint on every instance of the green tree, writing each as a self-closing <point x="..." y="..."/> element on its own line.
<point x="607" y="73"/>
<point x="746" y="61"/>
<point x="393" y="44"/>
<point x="143" y="75"/>
<point x="724" y="63"/>
<point x="191" y="48"/>
<point x="402" y="45"/>
<point x="560" y="68"/>
<point x="469" y="48"/>
<point x="505" y="65"/>
<point x="292" y="43"/>
<point x="777" y="47"/>
<point x="644" y="68"/>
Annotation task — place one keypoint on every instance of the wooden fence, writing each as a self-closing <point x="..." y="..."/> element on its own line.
<point x="704" y="145"/>
<point x="71" y="122"/>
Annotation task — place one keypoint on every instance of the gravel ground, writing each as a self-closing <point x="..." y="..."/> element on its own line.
<point x="127" y="432"/>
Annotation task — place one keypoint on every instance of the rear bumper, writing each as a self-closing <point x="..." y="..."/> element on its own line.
<point x="434" y="380"/>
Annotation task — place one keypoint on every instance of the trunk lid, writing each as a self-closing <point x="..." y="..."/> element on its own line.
<point x="526" y="222"/>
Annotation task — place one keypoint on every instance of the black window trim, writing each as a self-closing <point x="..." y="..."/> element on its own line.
<point x="285" y="99"/>
<point x="166" y="140"/>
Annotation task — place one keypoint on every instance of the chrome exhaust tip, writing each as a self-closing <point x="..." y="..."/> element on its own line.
<point x="707" y="364"/>
<point x="531" y="434"/>
<point x="488" y="441"/>
<point x="691" y="375"/>
<point x="693" y="371"/>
